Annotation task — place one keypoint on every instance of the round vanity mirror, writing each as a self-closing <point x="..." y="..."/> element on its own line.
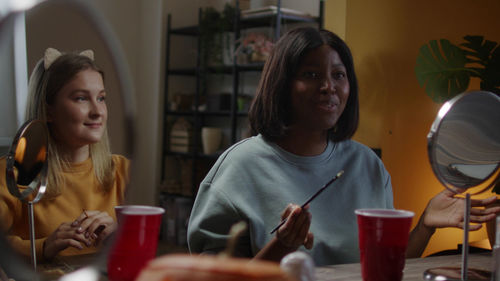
<point x="464" y="152"/>
<point x="26" y="172"/>
<point x="70" y="27"/>
<point x="464" y="141"/>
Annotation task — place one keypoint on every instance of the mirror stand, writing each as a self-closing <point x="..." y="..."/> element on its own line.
<point x="32" y="234"/>
<point x="464" y="151"/>
<point x="28" y="156"/>
<point x="462" y="273"/>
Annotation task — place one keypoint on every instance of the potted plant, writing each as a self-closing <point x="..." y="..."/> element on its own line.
<point x="444" y="70"/>
<point x="215" y="33"/>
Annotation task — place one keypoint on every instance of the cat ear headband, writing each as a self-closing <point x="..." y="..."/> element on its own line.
<point x="52" y="54"/>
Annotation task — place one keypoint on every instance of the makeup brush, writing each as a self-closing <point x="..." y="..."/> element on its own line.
<point x="311" y="198"/>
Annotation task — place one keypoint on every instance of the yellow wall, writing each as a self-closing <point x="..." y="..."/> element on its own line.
<point x="396" y="114"/>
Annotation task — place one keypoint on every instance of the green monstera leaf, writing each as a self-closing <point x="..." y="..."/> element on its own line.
<point x="441" y="70"/>
<point x="487" y="54"/>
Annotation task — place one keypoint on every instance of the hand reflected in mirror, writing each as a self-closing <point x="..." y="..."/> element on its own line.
<point x="85" y="181"/>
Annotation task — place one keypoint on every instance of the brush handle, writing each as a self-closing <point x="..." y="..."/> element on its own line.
<point x="311" y="198"/>
<point x="279" y="225"/>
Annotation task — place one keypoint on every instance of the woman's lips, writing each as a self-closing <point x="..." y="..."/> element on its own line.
<point x="93" y="125"/>
<point x="327" y="106"/>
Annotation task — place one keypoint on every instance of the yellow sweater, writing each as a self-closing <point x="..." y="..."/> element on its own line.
<point x="79" y="193"/>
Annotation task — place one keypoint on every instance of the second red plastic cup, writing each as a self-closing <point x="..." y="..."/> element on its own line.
<point x="136" y="242"/>
<point x="383" y="238"/>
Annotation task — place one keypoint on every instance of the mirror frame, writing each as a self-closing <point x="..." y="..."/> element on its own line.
<point x="12" y="183"/>
<point x="13" y="265"/>
<point x="432" y="141"/>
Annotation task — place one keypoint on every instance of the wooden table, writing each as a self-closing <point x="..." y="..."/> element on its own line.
<point x="414" y="268"/>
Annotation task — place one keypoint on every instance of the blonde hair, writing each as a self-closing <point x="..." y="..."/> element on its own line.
<point x="44" y="85"/>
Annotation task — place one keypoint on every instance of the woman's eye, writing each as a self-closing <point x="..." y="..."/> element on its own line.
<point x="80" y="98"/>
<point x="101" y="98"/>
<point x="311" y="74"/>
<point x="339" y="75"/>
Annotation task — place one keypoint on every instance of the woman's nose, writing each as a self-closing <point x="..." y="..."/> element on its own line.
<point x="327" y="85"/>
<point x="97" y="108"/>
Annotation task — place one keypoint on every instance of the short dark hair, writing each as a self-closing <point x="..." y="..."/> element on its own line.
<point x="269" y="113"/>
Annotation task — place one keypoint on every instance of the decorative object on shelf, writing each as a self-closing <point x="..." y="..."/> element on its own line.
<point x="444" y="69"/>
<point x="215" y="38"/>
<point x="181" y="136"/>
<point x="211" y="138"/>
<point x="219" y="102"/>
<point x="244" y="102"/>
<point x="182" y="102"/>
<point x="254" y="47"/>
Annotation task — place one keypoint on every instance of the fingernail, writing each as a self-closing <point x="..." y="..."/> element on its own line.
<point x="88" y="244"/>
<point x="86" y="234"/>
<point x="75" y="223"/>
<point x="94" y="236"/>
<point x="80" y="229"/>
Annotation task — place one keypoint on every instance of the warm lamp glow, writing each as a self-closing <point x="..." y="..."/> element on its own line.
<point x="20" y="150"/>
<point x="42" y="154"/>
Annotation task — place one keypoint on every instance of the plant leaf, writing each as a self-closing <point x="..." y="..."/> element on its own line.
<point x="440" y="69"/>
<point x="479" y="47"/>
<point x="490" y="78"/>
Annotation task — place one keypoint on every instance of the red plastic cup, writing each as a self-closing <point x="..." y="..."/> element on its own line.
<point x="136" y="241"/>
<point x="383" y="238"/>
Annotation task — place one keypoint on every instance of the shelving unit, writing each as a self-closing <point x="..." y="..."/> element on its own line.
<point x="273" y="19"/>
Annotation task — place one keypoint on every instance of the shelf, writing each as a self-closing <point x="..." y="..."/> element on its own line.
<point x="204" y="113"/>
<point x="254" y="21"/>
<point x="249" y="21"/>
<point x="273" y="17"/>
<point x="256" y="66"/>
<point x="192" y="155"/>
<point x="180" y="154"/>
<point x="187" y="30"/>
<point x="182" y="71"/>
<point x="223" y="69"/>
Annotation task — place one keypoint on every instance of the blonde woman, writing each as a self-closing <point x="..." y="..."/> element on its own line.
<point x="85" y="181"/>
